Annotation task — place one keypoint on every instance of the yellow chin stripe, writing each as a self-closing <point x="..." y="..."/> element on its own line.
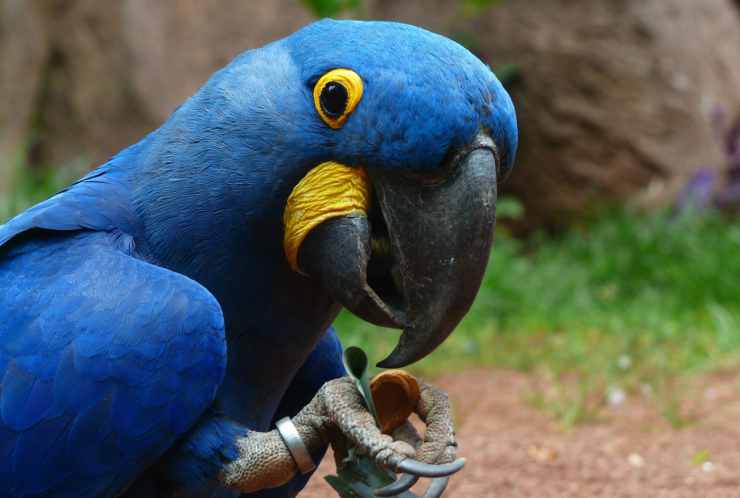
<point x="328" y="191"/>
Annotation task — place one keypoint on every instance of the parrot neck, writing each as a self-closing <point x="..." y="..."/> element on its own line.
<point x="225" y="231"/>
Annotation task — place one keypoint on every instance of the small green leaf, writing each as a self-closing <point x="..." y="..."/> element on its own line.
<point x="355" y="361"/>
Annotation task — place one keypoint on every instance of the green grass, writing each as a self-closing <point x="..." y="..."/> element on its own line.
<point x="626" y="301"/>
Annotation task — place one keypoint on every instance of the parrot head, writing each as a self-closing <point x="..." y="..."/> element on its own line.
<point x="383" y="145"/>
<point x="426" y="131"/>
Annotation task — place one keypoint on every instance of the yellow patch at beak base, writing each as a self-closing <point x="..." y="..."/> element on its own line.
<point x="329" y="190"/>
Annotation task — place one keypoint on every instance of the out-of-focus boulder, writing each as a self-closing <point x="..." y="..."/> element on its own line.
<point x="86" y="78"/>
<point x="616" y="96"/>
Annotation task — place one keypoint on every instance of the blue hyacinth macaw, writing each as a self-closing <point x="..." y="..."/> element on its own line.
<point x="151" y="328"/>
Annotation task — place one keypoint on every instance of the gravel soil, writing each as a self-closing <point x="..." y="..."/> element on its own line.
<point x="515" y="450"/>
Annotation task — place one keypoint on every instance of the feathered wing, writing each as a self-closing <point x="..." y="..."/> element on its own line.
<point x="105" y="360"/>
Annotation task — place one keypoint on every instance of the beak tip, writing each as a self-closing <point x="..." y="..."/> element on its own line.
<point x="394" y="360"/>
<point x="389" y="363"/>
<point x="410" y="349"/>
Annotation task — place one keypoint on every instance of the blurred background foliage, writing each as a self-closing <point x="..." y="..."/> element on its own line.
<point x="617" y="256"/>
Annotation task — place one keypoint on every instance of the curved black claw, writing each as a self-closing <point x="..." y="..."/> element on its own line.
<point x="411" y="466"/>
<point x="437" y="487"/>
<point x="398" y="486"/>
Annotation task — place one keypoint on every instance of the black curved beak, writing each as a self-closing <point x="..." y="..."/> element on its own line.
<point x="418" y="260"/>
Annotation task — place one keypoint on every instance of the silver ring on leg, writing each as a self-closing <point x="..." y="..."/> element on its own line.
<point x="294" y="443"/>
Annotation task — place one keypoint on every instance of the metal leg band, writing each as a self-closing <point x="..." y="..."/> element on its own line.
<point x="294" y="443"/>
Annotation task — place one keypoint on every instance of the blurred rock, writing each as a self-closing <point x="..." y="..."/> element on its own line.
<point x="89" y="77"/>
<point x="614" y="96"/>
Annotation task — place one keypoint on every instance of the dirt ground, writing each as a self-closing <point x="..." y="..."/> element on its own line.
<point x="517" y="451"/>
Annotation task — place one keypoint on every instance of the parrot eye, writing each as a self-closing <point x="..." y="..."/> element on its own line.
<point x="333" y="99"/>
<point x="336" y="95"/>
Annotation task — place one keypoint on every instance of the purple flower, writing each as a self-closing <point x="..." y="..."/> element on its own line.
<point x="717" y="187"/>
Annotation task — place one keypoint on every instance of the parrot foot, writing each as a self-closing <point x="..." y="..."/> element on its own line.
<point x="338" y="415"/>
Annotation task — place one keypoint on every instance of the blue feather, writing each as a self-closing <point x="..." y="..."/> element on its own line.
<point x="97" y="415"/>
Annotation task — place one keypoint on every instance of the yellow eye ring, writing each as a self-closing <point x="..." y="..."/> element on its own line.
<point x="336" y="95"/>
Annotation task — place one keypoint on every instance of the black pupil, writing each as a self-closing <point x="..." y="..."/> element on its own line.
<point x="334" y="99"/>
